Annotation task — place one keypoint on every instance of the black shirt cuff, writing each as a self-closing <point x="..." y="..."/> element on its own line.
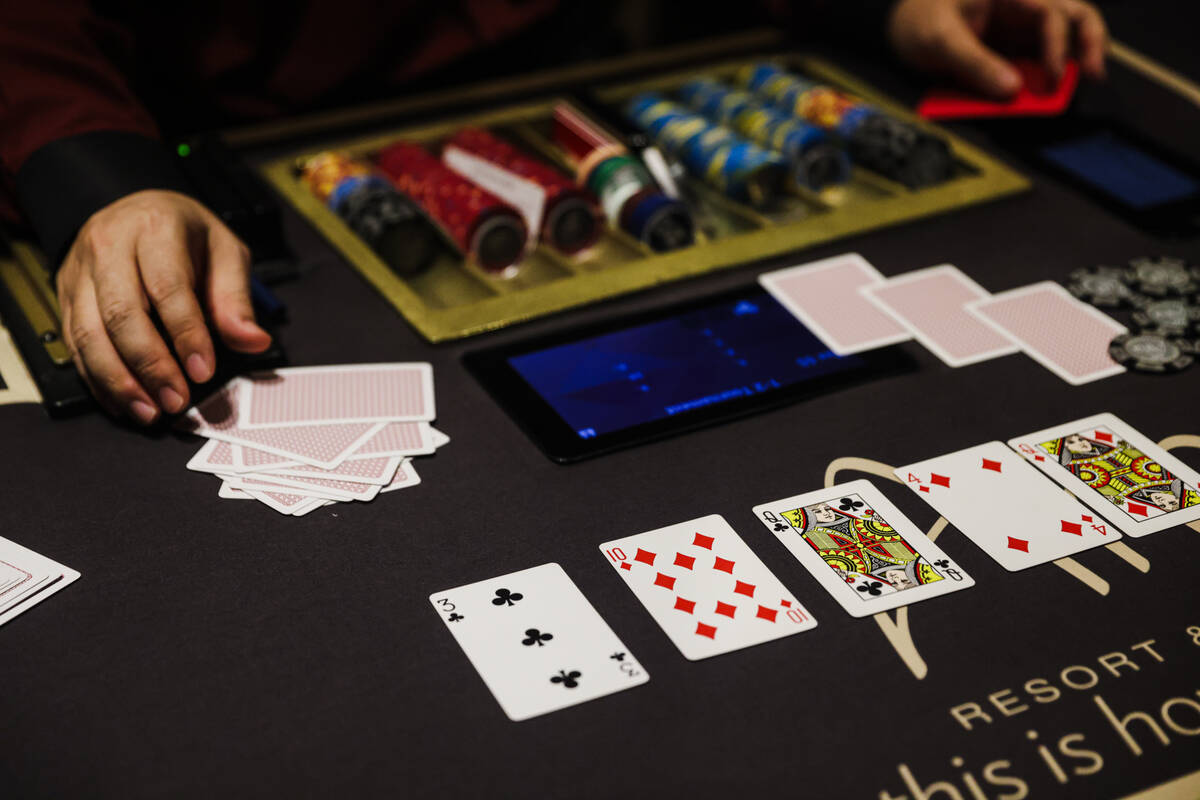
<point x="65" y="182"/>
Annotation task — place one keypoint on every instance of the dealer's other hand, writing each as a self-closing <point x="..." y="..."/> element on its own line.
<point x="162" y="253"/>
<point x="947" y="36"/>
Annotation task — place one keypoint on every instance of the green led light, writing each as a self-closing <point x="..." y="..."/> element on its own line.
<point x="184" y="150"/>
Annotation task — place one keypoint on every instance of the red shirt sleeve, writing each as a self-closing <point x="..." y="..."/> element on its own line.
<point x="62" y="73"/>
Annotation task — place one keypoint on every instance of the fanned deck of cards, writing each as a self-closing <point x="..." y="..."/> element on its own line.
<point x="301" y="438"/>
<point x="851" y="307"/>
<point x="27" y="579"/>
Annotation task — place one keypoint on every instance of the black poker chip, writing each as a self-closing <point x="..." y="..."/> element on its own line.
<point x="1101" y="286"/>
<point x="1162" y="276"/>
<point x="1173" y="316"/>
<point x="1151" y="352"/>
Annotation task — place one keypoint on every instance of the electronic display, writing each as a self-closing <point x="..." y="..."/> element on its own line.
<point x="673" y="366"/>
<point x="1120" y="170"/>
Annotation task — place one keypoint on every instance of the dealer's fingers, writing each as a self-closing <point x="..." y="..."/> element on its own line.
<point x="973" y="63"/>
<point x="229" y="303"/>
<point x="1091" y="36"/>
<point x="111" y="382"/>
<point x="168" y="274"/>
<point x="123" y="308"/>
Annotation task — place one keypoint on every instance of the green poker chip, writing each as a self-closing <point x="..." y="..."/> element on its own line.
<point x="1175" y="316"/>
<point x="1101" y="286"/>
<point x="1162" y="276"/>
<point x="1151" y="352"/>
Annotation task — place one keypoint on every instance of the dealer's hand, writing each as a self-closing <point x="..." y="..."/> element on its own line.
<point x="948" y="36"/>
<point x="154" y="253"/>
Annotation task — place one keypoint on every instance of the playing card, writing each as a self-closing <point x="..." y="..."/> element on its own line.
<point x="229" y="492"/>
<point x="405" y="477"/>
<point x="1005" y="506"/>
<point x="930" y="304"/>
<point x="1118" y="472"/>
<point x="325" y="488"/>
<point x="859" y="546"/>
<point x="1039" y="95"/>
<point x="27" y="578"/>
<point x="320" y="445"/>
<point x="536" y="641"/>
<point x="401" y="439"/>
<point x="705" y="588"/>
<point x="824" y="296"/>
<point x="1064" y="335"/>
<point x="353" y="470"/>
<point x="342" y="394"/>
<point x="283" y="502"/>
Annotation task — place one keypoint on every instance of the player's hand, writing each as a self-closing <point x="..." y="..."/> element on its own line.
<point x="948" y="36"/>
<point x="154" y="254"/>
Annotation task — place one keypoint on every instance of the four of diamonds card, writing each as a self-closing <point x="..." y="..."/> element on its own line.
<point x="540" y="646"/>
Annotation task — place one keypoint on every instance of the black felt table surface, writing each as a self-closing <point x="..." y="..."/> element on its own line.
<point x="216" y="647"/>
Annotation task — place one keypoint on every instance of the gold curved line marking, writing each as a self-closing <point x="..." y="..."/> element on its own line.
<point x="860" y="464"/>
<point x="895" y="631"/>
<point x="1130" y="556"/>
<point x="1175" y="442"/>
<point x="1180" y="440"/>
<point x="1083" y="574"/>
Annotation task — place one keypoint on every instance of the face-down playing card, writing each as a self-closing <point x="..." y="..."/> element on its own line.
<point x="1005" y="506"/>
<point x="536" y="641"/>
<point x="825" y="297"/>
<point x="859" y="546"/>
<point x="931" y="304"/>
<point x="706" y="588"/>
<point x="1065" y="335"/>
<point x="1117" y="471"/>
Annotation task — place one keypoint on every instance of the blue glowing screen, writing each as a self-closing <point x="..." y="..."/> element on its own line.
<point x="699" y="358"/>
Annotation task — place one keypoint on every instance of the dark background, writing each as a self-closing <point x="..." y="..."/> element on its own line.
<point x="218" y="647"/>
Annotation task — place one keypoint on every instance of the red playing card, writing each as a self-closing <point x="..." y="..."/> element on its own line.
<point x="1038" y="96"/>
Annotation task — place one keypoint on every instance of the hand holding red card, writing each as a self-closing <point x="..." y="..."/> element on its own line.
<point x="1039" y="95"/>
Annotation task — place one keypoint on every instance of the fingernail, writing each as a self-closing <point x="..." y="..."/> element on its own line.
<point x="143" y="412"/>
<point x="170" y="399"/>
<point x="198" y="368"/>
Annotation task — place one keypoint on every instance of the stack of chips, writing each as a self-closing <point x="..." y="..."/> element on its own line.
<point x="714" y="153"/>
<point x="895" y="149"/>
<point x="570" y="219"/>
<point x="485" y="229"/>
<point x="630" y="198"/>
<point x="1162" y="293"/>
<point x="817" y="160"/>
<point x="367" y="202"/>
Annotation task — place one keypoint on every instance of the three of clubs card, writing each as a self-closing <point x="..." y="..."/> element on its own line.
<point x="1119" y="473"/>
<point x="859" y="546"/>
<point x="1005" y="507"/>
<point x="536" y="641"/>
<point x="706" y="588"/>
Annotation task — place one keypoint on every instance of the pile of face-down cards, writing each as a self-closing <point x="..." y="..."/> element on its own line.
<point x="301" y="438"/>
<point x="851" y="307"/>
<point x="27" y="579"/>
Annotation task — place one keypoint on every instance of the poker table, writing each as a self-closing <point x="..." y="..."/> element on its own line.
<point x="218" y="648"/>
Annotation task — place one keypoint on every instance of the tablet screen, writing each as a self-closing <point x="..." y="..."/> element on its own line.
<point x="696" y="359"/>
